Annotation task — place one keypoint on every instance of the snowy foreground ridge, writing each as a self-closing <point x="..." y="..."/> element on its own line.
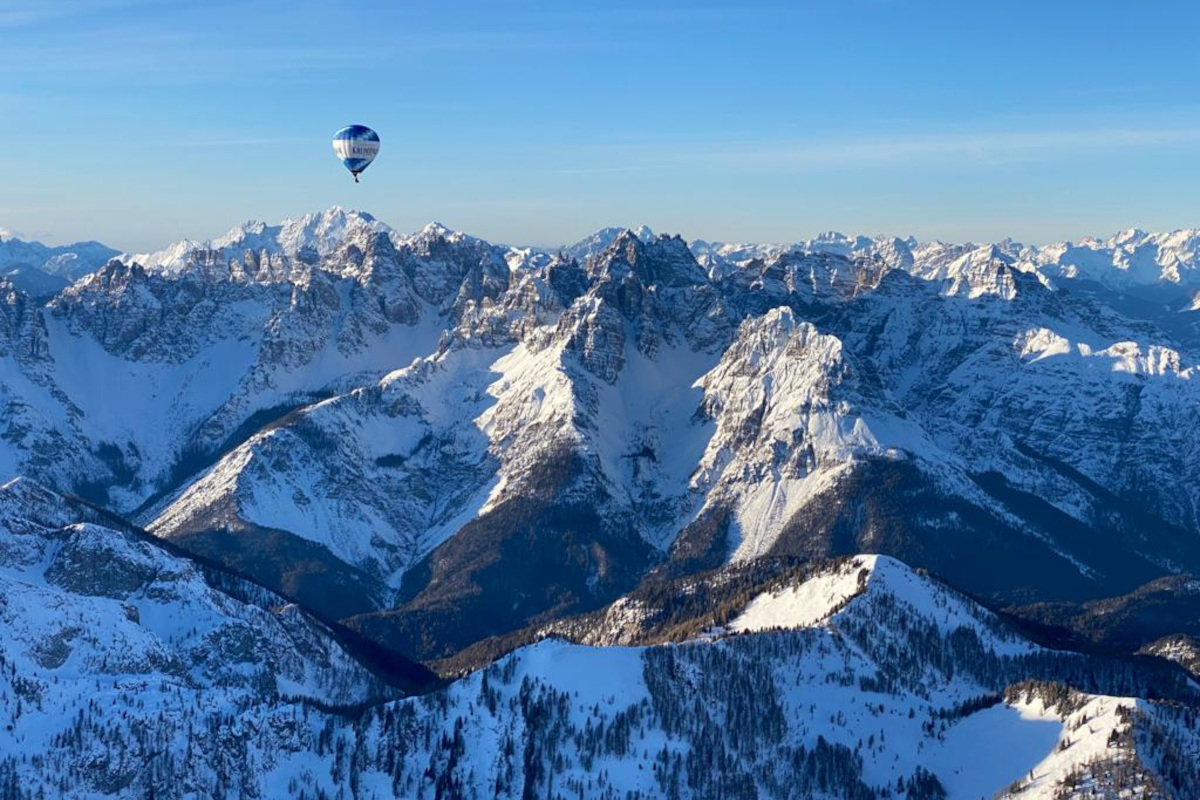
<point x="322" y="509"/>
<point x="861" y="679"/>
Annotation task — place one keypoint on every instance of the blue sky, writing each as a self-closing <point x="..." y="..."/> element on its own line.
<point x="141" y="122"/>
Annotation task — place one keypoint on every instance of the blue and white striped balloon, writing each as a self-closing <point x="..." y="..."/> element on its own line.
<point x="356" y="146"/>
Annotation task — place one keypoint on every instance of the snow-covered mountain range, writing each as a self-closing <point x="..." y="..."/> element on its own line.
<point x="271" y="463"/>
<point x="329" y="402"/>
<point x="69" y="262"/>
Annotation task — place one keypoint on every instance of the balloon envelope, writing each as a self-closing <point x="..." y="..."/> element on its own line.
<point x="356" y="146"/>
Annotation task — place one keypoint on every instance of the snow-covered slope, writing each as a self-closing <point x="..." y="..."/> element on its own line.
<point x="388" y="458"/>
<point x="858" y="653"/>
<point x="895" y="689"/>
<point x="128" y="670"/>
<point x="805" y="603"/>
<point x="83" y="600"/>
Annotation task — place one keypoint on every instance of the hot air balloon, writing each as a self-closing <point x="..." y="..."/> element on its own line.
<point x="356" y="146"/>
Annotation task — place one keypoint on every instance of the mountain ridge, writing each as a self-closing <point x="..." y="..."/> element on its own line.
<point x="879" y="681"/>
<point x="1131" y="258"/>
<point x="774" y="403"/>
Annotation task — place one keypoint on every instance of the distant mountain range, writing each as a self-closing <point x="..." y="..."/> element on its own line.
<point x="69" y="262"/>
<point x="1130" y="259"/>
<point x="443" y="449"/>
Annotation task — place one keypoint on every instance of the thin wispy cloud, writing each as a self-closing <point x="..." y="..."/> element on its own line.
<point x="19" y="13"/>
<point x="174" y="59"/>
<point x="986" y="147"/>
<point x="249" y="141"/>
<point x="152" y="57"/>
<point x="973" y="147"/>
<point x="596" y="170"/>
<point x="687" y="13"/>
<point x="178" y="46"/>
<point x="16" y="19"/>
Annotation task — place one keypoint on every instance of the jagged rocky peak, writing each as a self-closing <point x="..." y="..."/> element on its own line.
<point x="891" y="251"/>
<point x="661" y="288"/>
<point x="983" y="271"/>
<point x="665" y="261"/>
<point x="795" y="414"/>
<point x="651" y="294"/>
<point x="324" y="231"/>
<point x="772" y="389"/>
<point x="115" y="274"/>
<point x="436" y="234"/>
<point x="453" y="271"/>
<point x="601" y="240"/>
<point x="839" y="244"/>
<point x="821" y="277"/>
<point x="354" y="255"/>
<point x="1002" y="270"/>
<point x="316" y="234"/>
<point x="21" y="329"/>
<point x="145" y="315"/>
<point x="870" y="258"/>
